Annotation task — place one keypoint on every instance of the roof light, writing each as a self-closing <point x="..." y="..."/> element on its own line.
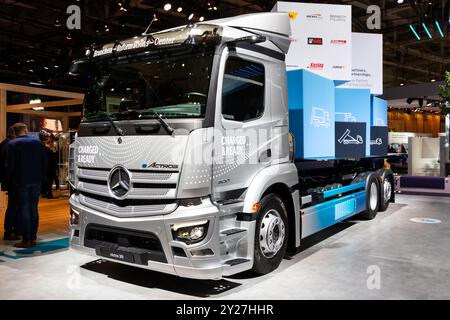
<point x="179" y="9"/>
<point x="191" y="16"/>
<point x="167" y="6"/>
<point x="201" y="19"/>
<point x="438" y="26"/>
<point x="414" y="31"/>
<point x="426" y="30"/>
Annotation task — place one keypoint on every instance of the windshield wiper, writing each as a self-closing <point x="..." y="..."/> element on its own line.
<point x="116" y="128"/>
<point x="163" y="122"/>
<point x="158" y="117"/>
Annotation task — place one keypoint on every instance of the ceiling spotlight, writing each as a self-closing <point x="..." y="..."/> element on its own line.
<point x="402" y="84"/>
<point x="68" y="37"/>
<point x="57" y="23"/>
<point x="191" y="16"/>
<point x="167" y="6"/>
<point x="399" y="1"/>
<point x="433" y="80"/>
<point x="179" y="9"/>
<point x="201" y="19"/>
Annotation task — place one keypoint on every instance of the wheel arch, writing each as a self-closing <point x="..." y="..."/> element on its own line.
<point x="285" y="193"/>
<point x="280" y="179"/>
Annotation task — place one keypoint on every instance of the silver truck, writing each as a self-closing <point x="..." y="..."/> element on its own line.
<point x="183" y="162"/>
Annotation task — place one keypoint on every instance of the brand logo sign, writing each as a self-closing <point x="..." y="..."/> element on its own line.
<point x="314" y="16"/>
<point x="338" y="42"/>
<point x="293" y="15"/>
<point x="316" y="66"/>
<point x="159" y="165"/>
<point x="119" y="182"/>
<point x="315" y="41"/>
<point x="338" y="17"/>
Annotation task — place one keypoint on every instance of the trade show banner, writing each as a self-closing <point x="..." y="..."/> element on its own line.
<point x="350" y="139"/>
<point x="321" y="38"/>
<point x="367" y="63"/>
<point x="311" y="101"/>
<point x="378" y="141"/>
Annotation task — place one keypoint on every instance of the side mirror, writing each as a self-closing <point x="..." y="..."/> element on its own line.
<point x="81" y="68"/>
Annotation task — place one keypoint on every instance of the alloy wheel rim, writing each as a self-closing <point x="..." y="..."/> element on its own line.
<point x="373" y="196"/>
<point x="272" y="233"/>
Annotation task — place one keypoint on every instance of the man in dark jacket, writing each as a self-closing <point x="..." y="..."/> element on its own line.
<point x="26" y="169"/>
<point x="11" y="219"/>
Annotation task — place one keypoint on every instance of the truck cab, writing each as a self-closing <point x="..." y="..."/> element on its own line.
<point x="183" y="163"/>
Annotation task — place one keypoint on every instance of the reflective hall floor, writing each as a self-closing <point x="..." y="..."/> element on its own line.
<point x="390" y="257"/>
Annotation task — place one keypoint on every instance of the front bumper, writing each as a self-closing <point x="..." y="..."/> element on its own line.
<point x="192" y="265"/>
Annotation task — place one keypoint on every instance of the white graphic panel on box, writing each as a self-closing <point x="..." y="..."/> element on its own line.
<point x="321" y="38"/>
<point x="367" y="63"/>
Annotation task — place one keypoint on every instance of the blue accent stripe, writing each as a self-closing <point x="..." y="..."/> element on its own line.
<point x="335" y="192"/>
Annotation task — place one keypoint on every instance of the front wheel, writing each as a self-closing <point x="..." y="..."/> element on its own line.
<point x="271" y="235"/>
<point x="372" y="199"/>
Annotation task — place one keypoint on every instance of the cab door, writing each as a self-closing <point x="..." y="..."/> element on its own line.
<point x="243" y="123"/>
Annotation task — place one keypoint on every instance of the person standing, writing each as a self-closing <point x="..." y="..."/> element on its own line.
<point x="26" y="170"/>
<point x="11" y="219"/>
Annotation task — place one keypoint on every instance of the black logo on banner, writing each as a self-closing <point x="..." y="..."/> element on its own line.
<point x="378" y="141"/>
<point x="350" y="139"/>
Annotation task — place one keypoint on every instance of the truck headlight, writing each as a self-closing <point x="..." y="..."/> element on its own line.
<point x="190" y="232"/>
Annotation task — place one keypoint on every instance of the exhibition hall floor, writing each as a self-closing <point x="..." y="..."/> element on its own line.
<point x="390" y="257"/>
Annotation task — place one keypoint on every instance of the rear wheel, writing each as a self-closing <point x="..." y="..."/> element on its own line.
<point x="387" y="189"/>
<point x="372" y="199"/>
<point x="271" y="235"/>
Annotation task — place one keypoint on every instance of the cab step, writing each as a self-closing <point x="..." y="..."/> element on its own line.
<point x="236" y="261"/>
<point x="230" y="232"/>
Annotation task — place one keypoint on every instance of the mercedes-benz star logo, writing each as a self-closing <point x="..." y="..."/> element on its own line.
<point x="119" y="182"/>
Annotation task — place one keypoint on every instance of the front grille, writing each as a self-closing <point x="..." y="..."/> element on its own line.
<point x="147" y="187"/>
<point x="127" y="208"/>
<point x="125" y="245"/>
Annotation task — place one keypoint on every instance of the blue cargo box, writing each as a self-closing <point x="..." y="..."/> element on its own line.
<point x="311" y="101"/>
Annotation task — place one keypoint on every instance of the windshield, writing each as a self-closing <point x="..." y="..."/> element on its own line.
<point x="174" y="85"/>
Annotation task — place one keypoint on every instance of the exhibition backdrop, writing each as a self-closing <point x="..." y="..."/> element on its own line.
<point x="321" y="38"/>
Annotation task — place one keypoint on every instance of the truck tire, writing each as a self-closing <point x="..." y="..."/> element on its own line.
<point x="387" y="188"/>
<point x="372" y="198"/>
<point x="271" y="235"/>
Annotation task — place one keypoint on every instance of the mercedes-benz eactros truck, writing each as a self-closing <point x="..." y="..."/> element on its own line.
<point x="184" y="163"/>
